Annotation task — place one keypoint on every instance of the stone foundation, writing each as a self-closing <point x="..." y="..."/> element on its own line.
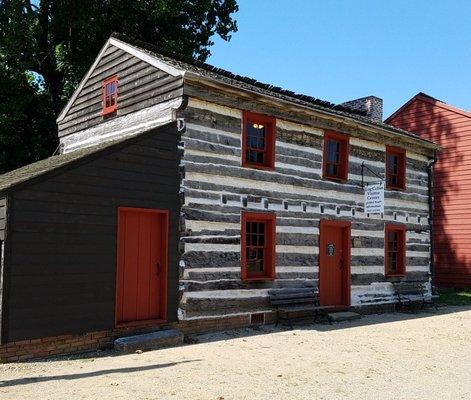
<point x="103" y="340"/>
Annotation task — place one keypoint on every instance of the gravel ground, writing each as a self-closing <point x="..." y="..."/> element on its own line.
<point x="393" y="356"/>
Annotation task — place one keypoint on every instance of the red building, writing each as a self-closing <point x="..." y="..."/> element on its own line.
<point x="450" y="127"/>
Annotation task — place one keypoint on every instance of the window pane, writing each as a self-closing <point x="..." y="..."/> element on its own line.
<point x="332" y="170"/>
<point x="110" y="94"/>
<point x="255" y="247"/>
<point x="255" y="142"/>
<point x="250" y="229"/>
<point x="393" y="170"/>
<point x="333" y="151"/>
<point x="255" y="136"/>
<point x="110" y="88"/>
<point x="254" y="261"/>
<point x="392" y="241"/>
<point x="394" y="256"/>
<point x="333" y="157"/>
<point x="393" y="163"/>
<point x="261" y="239"/>
<point x="255" y="156"/>
<point x="392" y="262"/>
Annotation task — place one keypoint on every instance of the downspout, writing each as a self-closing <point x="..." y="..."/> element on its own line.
<point x="430" y="165"/>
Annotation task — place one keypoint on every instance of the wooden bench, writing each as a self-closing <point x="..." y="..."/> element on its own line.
<point x="289" y="302"/>
<point x="410" y="292"/>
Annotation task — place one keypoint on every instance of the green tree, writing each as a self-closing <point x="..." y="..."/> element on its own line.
<point x="46" y="46"/>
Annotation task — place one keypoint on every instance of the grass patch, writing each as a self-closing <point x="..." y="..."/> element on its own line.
<point x="454" y="297"/>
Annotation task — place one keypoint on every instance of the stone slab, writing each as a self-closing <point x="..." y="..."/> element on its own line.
<point x="343" y="316"/>
<point x="149" y="341"/>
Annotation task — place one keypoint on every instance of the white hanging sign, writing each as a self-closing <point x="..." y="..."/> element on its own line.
<point x="374" y="198"/>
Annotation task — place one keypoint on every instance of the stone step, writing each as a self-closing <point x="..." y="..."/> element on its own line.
<point x="149" y="341"/>
<point x="343" y="316"/>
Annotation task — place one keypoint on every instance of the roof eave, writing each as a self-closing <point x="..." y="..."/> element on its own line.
<point x="90" y="153"/>
<point x="428" y="99"/>
<point x="69" y="103"/>
<point x="411" y="138"/>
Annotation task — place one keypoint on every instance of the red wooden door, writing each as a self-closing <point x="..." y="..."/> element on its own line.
<point x="334" y="265"/>
<point x="141" y="265"/>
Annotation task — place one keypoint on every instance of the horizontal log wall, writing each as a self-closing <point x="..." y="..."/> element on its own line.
<point x="215" y="188"/>
<point x="140" y="85"/>
<point x="234" y="98"/>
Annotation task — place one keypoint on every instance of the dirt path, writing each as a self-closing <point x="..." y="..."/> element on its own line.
<point x="423" y="356"/>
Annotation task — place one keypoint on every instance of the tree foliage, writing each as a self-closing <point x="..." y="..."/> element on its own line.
<point x="47" y="46"/>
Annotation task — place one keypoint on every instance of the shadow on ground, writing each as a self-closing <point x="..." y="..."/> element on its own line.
<point x="68" y="377"/>
<point x="324" y="326"/>
<point x="305" y="324"/>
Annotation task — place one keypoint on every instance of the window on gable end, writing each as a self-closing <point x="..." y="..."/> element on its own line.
<point x="258" y="141"/>
<point x="109" y="95"/>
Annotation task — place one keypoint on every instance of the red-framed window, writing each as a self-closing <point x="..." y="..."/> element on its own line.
<point x="395" y="168"/>
<point x="109" y="95"/>
<point x="395" y="250"/>
<point x="258" y="141"/>
<point x="335" y="159"/>
<point x="258" y="242"/>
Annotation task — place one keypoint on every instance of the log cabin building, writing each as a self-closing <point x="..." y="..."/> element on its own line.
<point x="449" y="127"/>
<point x="182" y="193"/>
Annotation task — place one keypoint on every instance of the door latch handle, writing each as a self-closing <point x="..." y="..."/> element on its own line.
<point x="157" y="268"/>
<point x="341" y="264"/>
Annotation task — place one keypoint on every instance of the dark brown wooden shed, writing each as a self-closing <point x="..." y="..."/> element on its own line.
<point x="59" y="233"/>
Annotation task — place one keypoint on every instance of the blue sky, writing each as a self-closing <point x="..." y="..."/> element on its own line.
<point x="338" y="50"/>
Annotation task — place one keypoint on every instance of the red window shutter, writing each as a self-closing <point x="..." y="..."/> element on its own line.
<point x="335" y="160"/>
<point x="258" y="141"/>
<point x="399" y="250"/>
<point x="251" y="243"/>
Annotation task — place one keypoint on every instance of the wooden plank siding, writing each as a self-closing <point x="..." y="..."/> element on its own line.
<point x="3" y="223"/>
<point x="215" y="186"/>
<point x="3" y="216"/>
<point x="61" y="274"/>
<point x="140" y="85"/>
<point x="450" y="128"/>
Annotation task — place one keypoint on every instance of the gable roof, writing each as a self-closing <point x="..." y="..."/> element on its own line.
<point x="189" y="68"/>
<point x="175" y="65"/>
<point x="189" y="65"/>
<point x="52" y="164"/>
<point x="152" y="60"/>
<point x="421" y="96"/>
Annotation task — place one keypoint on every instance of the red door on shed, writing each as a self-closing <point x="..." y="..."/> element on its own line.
<point x="334" y="263"/>
<point x="141" y="265"/>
